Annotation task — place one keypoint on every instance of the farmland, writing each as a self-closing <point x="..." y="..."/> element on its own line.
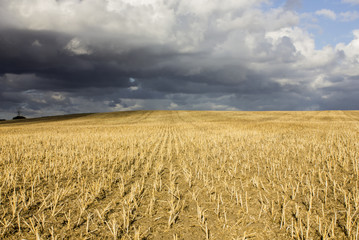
<point x="181" y="175"/>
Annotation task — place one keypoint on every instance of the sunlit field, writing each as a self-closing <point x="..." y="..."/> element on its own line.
<point x="181" y="175"/>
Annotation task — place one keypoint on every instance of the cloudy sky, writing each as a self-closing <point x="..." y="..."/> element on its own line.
<point x="71" y="56"/>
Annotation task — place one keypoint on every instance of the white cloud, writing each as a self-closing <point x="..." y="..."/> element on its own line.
<point x="321" y="82"/>
<point x="349" y="16"/>
<point x="173" y="106"/>
<point x="326" y="13"/>
<point x="36" y="43"/>
<point x="58" y="96"/>
<point x="77" y="47"/>
<point x="133" y="88"/>
<point x="205" y="7"/>
<point x="303" y="43"/>
<point x="349" y="63"/>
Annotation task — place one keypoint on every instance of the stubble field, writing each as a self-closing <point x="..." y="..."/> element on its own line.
<point x="181" y="175"/>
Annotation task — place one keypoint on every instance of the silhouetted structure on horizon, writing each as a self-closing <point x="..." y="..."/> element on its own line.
<point x="18" y="115"/>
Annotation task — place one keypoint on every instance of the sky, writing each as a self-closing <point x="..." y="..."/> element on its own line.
<point x="75" y="56"/>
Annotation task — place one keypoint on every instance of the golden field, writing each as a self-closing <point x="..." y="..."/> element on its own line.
<point x="181" y="175"/>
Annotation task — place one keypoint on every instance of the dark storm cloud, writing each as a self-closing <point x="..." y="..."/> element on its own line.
<point x="84" y="56"/>
<point x="43" y="54"/>
<point x="38" y="60"/>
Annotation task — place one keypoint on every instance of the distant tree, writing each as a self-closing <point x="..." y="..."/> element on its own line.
<point x="18" y="115"/>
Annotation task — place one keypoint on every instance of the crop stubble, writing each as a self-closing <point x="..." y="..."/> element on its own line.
<point x="181" y="175"/>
